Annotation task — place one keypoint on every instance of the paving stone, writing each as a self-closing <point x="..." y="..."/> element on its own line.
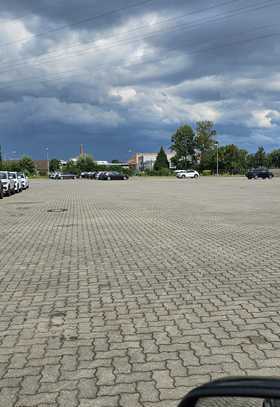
<point x="148" y="391"/>
<point x="129" y="400"/>
<point x="105" y="376"/>
<point x="117" y="389"/>
<point x="30" y="385"/>
<point x="8" y="396"/>
<point x="163" y="379"/>
<point x="139" y="292"/>
<point x="106" y="401"/>
<point x="37" y="399"/>
<point x="68" y="398"/>
<point x="87" y="388"/>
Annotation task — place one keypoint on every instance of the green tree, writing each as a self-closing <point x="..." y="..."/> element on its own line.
<point x="26" y="164"/>
<point x="71" y="168"/>
<point x="161" y="160"/>
<point x="208" y="161"/>
<point x="86" y="163"/>
<point x="205" y="135"/>
<point x="274" y="158"/>
<point x="205" y="143"/>
<point x="184" y="146"/>
<point x="260" y="159"/>
<point x="54" y="165"/>
<point x="233" y="160"/>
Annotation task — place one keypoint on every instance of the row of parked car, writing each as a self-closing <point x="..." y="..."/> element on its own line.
<point x="104" y="175"/>
<point x="253" y="173"/>
<point x="12" y="182"/>
<point x="100" y="175"/>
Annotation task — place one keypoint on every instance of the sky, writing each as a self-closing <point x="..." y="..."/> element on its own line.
<point x="120" y="76"/>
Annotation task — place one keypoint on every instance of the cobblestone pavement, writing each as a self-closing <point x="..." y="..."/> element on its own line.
<point x="138" y="291"/>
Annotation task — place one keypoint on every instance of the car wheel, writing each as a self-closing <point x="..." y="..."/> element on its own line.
<point x="255" y="177"/>
<point x="270" y="176"/>
<point x="195" y="176"/>
<point x="109" y="178"/>
<point x="1" y="194"/>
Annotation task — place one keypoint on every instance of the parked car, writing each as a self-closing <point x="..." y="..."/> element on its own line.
<point x="178" y="171"/>
<point x="113" y="175"/>
<point x="92" y="174"/>
<point x="59" y="175"/>
<point x="14" y="175"/>
<point x="259" y="173"/>
<point x="187" y="174"/>
<point x="1" y="191"/>
<point x="7" y="182"/>
<point x="23" y="179"/>
<point x="68" y="176"/>
<point x="99" y="174"/>
<point x="88" y="175"/>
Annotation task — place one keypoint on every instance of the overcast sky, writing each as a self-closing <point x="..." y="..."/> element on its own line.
<point x="120" y="75"/>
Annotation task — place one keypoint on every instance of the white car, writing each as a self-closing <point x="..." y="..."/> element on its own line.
<point x="99" y="173"/>
<point x="7" y="182"/>
<point x="187" y="174"/>
<point x="23" y="179"/>
<point x="14" y="176"/>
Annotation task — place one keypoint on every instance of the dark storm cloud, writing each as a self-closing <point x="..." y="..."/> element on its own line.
<point x="117" y="76"/>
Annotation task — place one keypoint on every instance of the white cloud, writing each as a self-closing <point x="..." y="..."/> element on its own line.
<point x="110" y="86"/>
<point x="125" y="94"/>
<point x="50" y="109"/>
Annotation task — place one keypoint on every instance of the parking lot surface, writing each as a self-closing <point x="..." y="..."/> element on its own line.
<point x="130" y="293"/>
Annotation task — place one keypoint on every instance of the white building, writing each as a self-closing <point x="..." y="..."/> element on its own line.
<point x="143" y="161"/>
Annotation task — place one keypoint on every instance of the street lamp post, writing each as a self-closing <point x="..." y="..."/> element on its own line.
<point x="48" y="163"/>
<point x="217" y="160"/>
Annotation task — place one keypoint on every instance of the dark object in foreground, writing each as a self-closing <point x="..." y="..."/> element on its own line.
<point x="235" y="392"/>
<point x="112" y="175"/>
<point x="259" y="173"/>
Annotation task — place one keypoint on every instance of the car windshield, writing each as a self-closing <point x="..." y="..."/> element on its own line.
<point x="3" y="175"/>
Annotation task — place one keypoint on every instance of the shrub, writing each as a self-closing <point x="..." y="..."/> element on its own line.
<point x="206" y="173"/>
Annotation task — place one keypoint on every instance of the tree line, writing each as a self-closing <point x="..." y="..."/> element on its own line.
<point x="25" y="164"/>
<point x="199" y="149"/>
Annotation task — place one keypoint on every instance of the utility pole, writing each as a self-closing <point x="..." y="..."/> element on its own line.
<point x="217" y="159"/>
<point x="48" y="162"/>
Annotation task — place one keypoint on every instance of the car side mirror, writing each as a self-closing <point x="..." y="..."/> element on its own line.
<point x="235" y="392"/>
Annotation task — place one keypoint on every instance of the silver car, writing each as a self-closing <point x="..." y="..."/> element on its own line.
<point x="14" y="176"/>
<point x="7" y="182"/>
<point x="23" y="179"/>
